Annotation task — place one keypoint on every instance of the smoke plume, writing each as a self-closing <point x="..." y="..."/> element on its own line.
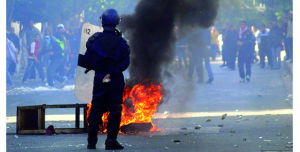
<point x="151" y="35"/>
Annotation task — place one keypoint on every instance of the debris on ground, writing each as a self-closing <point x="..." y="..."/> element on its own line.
<point x="167" y="148"/>
<point x="183" y="129"/>
<point x="279" y="134"/>
<point x="220" y="125"/>
<point x="16" y="136"/>
<point x="267" y="140"/>
<point x="197" y="127"/>
<point x="50" y="130"/>
<point x="208" y="120"/>
<point x="177" y="140"/>
<point x="289" y="145"/>
<point x="232" y="131"/>
<point x="259" y="95"/>
<point x="235" y="145"/>
<point x="260" y="137"/>
<point x="224" y="116"/>
<point x="244" y="139"/>
<point x="166" y="112"/>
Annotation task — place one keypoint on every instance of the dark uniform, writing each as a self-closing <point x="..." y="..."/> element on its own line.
<point x="245" y="53"/>
<point x="107" y="54"/>
<point x="232" y="38"/>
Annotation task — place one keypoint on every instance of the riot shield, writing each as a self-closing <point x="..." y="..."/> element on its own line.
<point x="84" y="82"/>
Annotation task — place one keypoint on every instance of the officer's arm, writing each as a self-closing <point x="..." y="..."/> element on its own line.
<point x="88" y="59"/>
<point x="124" y="63"/>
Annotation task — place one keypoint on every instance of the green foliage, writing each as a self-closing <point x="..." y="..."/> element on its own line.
<point x="230" y="10"/>
<point x="233" y="11"/>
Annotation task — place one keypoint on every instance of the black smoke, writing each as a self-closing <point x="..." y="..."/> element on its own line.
<point x="151" y="35"/>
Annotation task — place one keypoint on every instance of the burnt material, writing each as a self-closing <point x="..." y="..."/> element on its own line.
<point x="136" y="127"/>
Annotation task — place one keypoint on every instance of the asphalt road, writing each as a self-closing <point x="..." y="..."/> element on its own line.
<point x="259" y="115"/>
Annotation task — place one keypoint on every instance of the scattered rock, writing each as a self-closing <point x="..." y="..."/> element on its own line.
<point x="289" y="146"/>
<point x="184" y="129"/>
<point x="279" y="134"/>
<point x="166" y="112"/>
<point x="224" y="116"/>
<point x="197" y="127"/>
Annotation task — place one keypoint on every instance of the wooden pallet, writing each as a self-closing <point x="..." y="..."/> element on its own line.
<point x="31" y="119"/>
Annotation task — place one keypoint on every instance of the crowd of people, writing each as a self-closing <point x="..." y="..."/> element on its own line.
<point x="53" y="55"/>
<point x="240" y="44"/>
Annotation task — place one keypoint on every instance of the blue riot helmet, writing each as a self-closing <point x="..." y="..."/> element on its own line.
<point x="110" y="17"/>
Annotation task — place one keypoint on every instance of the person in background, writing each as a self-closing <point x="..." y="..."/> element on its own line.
<point x="289" y="35"/>
<point x="11" y="56"/>
<point x="225" y="45"/>
<point x="232" y="37"/>
<point x="214" y="43"/>
<point x="262" y="40"/>
<point x="284" y="30"/>
<point x="54" y="50"/>
<point x="33" y="62"/>
<point x="181" y="47"/>
<point x="253" y="45"/>
<point x="245" y="55"/>
<point x="45" y="59"/>
<point x="62" y="39"/>
<point x="28" y="36"/>
<point x="73" y="54"/>
<point x="275" y="39"/>
<point x="15" y="39"/>
<point x="206" y="56"/>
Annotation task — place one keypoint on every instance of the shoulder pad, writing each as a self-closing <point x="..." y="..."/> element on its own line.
<point x="92" y="39"/>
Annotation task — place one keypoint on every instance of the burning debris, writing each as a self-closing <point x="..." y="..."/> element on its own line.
<point x="151" y="35"/>
<point x="140" y="104"/>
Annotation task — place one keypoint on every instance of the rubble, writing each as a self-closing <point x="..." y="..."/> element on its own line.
<point x="220" y="125"/>
<point x="197" y="127"/>
<point x="224" y="116"/>
<point x="279" y="134"/>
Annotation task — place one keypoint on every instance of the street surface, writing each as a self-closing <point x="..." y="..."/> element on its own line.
<point x="259" y="115"/>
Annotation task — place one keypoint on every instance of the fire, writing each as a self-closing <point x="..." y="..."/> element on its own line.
<point x="139" y="105"/>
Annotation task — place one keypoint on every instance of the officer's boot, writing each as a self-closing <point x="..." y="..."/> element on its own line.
<point x="112" y="143"/>
<point x="92" y="141"/>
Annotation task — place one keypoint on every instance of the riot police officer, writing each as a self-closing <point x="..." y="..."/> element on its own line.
<point x="108" y="55"/>
<point x="245" y="54"/>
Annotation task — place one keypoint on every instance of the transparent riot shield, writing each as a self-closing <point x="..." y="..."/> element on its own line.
<point x="84" y="82"/>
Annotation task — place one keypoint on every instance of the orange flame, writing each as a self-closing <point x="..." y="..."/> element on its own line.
<point x="145" y="99"/>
